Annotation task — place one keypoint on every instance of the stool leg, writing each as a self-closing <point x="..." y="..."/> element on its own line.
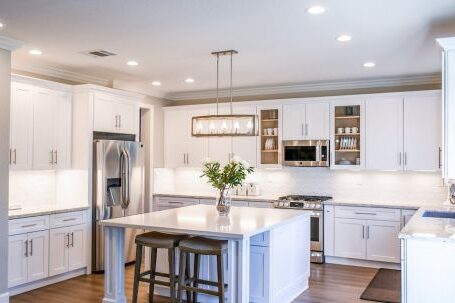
<point x="182" y="266"/>
<point x="197" y="258"/>
<point x="171" y="257"/>
<point x="152" y="273"/>
<point x="188" y="275"/>
<point x="219" y="263"/>
<point x="137" y="271"/>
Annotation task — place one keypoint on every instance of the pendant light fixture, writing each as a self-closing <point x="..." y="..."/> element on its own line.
<point x="224" y="125"/>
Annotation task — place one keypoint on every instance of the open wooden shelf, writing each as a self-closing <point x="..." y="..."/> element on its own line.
<point x="270" y="150"/>
<point x="341" y="135"/>
<point x="347" y="150"/>
<point x="270" y="135"/>
<point x="347" y="117"/>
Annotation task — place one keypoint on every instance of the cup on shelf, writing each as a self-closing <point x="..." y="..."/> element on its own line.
<point x="275" y="131"/>
<point x="265" y="131"/>
<point x="347" y="130"/>
<point x="340" y="130"/>
<point x="355" y="130"/>
<point x="269" y="131"/>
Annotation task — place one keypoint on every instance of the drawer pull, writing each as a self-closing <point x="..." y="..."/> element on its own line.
<point x="370" y="214"/>
<point x="26" y="248"/>
<point x="173" y="202"/>
<point x="69" y="219"/>
<point x="28" y="225"/>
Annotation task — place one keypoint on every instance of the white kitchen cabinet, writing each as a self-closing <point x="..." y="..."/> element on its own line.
<point x="77" y="247"/>
<point x="21" y="132"/>
<point x="62" y="130"/>
<point x="259" y="265"/>
<point x="38" y="256"/>
<point x="17" y="259"/>
<point x="350" y="238"/>
<point x="115" y="114"/>
<point x="329" y="230"/>
<point x="245" y="147"/>
<point x="308" y="121"/>
<point x="180" y="147"/>
<point x="382" y="241"/>
<point x="422" y="132"/>
<point x="384" y="135"/>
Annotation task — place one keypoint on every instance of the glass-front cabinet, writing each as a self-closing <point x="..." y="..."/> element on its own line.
<point x="347" y="134"/>
<point x="269" y="143"/>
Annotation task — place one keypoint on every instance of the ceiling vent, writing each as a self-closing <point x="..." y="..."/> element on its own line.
<point x="99" y="53"/>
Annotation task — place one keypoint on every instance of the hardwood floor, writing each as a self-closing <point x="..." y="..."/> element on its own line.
<point x="329" y="283"/>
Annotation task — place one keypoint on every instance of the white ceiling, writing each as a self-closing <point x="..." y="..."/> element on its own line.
<point x="278" y="42"/>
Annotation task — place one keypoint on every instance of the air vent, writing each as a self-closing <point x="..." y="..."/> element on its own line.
<point x="100" y="53"/>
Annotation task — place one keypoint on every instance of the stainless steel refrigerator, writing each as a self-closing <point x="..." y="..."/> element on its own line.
<point x="118" y="190"/>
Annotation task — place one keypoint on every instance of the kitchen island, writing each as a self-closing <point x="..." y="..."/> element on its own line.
<point x="285" y="236"/>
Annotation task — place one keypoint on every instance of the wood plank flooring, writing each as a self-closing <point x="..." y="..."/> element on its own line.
<point x="329" y="283"/>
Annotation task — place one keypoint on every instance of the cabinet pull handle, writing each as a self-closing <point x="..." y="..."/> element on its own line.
<point x="361" y="213"/>
<point x="26" y="248"/>
<point x="116" y="123"/>
<point x="120" y="121"/>
<point x="306" y="129"/>
<point x="363" y="232"/>
<point x="439" y="157"/>
<point x="72" y="239"/>
<point x="174" y="202"/>
<point x="187" y="158"/>
<point x="405" y="158"/>
<point x="69" y="219"/>
<point x="56" y="156"/>
<point x="28" y="225"/>
<point x="399" y="158"/>
<point x="368" y="231"/>
<point x="15" y="156"/>
<point x="52" y="157"/>
<point x="31" y="247"/>
<point x="67" y="236"/>
<point x="184" y="158"/>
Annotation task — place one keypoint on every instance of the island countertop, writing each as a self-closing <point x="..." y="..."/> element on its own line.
<point x="204" y="220"/>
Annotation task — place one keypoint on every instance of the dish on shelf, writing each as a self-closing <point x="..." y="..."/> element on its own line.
<point x="345" y="162"/>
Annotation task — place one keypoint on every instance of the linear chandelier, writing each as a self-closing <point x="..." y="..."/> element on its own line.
<point x="224" y="125"/>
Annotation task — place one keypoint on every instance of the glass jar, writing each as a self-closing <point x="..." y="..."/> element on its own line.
<point x="223" y="202"/>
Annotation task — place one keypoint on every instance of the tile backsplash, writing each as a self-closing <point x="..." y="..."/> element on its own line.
<point x="342" y="185"/>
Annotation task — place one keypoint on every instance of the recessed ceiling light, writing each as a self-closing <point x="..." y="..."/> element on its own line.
<point x="369" y="64"/>
<point x="189" y="80"/>
<point x="156" y="83"/>
<point x="1" y="25"/>
<point x="35" y="52"/>
<point x="316" y="10"/>
<point x="344" y="38"/>
<point x="132" y="63"/>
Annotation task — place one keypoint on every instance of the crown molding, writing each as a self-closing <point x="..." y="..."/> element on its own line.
<point x="310" y="87"/>
<point x="446" y="43"/>
<point x="9" y="44"/>
<point x="55" y="72"/>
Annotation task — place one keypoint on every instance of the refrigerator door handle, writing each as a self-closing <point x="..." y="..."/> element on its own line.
<point x="125" y="178"/>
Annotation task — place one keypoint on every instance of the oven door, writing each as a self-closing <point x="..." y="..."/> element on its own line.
<point x="317" y="231"/>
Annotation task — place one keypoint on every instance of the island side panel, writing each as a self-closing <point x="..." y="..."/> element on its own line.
<point x="114" y="266"/>
<point x="290" y="260"/>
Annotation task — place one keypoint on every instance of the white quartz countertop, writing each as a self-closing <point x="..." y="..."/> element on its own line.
<point x="204" y="220"/>
<point x="43" y="210"/>
<point x="430" y="228"/>
<point x="402" y="204"/>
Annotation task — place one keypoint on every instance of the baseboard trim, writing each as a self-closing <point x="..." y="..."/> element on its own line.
<point x="4" y="297"/>
<point x="361" y="263"/>
<point x="45" y="282"/>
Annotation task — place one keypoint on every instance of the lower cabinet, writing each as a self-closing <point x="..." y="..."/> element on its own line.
<point x="28" y="257"/>
<point x="259" y="269"/>
<point x="349" y="238"/>
<point x="67" y="249"/>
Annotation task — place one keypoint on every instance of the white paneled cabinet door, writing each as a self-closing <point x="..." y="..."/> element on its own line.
<point x="317" y="121"/>
<point x="294" y="127"/>
<point x="21" y="141"/>
<point x="382" y="241"/>
<point x="104" y="113"/>
<point x="44" y="109"/>
<point x="422" y="132"/>
<point x="245" y="147"/>
<point x="17" y="260"/>
<point x="58" y="251"/>
<point x="76" y="255"/>
<point x="384" y="133"/>
<point x="62" y="129"/>
<point x="259" y="267"/>
<point x="175" y="138"/>
<point x="350" y="238"/>
<point x="127" y="118"/>
<point x="38" y="256"/>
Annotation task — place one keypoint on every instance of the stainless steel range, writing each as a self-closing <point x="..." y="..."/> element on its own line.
<point x="315" y="205"/>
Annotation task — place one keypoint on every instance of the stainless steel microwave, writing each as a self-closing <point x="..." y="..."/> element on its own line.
<point x="311" y="153"/>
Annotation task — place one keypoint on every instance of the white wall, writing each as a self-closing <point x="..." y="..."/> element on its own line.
<point x="5" y="88"/>
<point x="342" y="185"/>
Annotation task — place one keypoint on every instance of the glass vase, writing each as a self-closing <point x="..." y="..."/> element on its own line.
<point x="223" y="202"/>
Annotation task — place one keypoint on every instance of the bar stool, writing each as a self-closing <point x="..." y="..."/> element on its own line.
<point x="156" y="240"/>
<point x="201" y="246"/>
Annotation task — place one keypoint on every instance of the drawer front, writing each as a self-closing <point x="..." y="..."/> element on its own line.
<point x="67" y="219"/>
<point x="240" y="203"/>
<point x="368" y="213"/>
<point x="175" y="202"/>
<point x="26" y="225"/>
<point x="261" y="239"/>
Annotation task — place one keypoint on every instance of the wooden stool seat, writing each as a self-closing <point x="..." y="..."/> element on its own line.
<point x="159" y="240"/>
<point x="201" y="246"/>
<point x="155" y="240"/>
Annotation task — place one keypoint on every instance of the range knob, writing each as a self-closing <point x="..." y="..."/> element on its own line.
<point x="276" y="203"/>
<point x="286" y="204"/>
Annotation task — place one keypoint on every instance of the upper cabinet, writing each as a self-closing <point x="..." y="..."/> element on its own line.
<point x="409" y="138"/>
<point x="40" y="127"/>
<point x="115" y="114"/>
<point x="309" y="121"/>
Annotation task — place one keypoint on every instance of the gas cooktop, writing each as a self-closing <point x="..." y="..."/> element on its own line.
<point x="301" y="202"/>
